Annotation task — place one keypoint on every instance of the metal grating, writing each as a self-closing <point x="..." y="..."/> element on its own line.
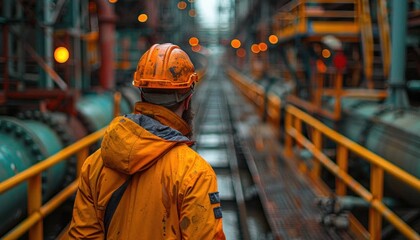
<point x="287" y="198"/>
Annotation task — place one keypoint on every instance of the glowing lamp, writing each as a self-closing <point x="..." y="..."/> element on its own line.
<point x="235" y="43"/>
<point x="142" y="17"/>
<point x="61" y="54"/>
<point x="193" y="41"/>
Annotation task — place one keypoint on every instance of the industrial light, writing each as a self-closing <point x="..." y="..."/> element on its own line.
<point x="61" y="54"/>
<point x="255" y="48"/>
<point x="235" y="43"/>
<point x="273" y="39"/>
<point x="193" y="41"/>
<point x="326" y="53"/>
<point x="142" y="17"/>
<point x="196" y="48"/>
<point x="182" y="5"/>
<point x="263" y="47"/>
<point x="192" y="13"/>
<point x="241" y="52"/>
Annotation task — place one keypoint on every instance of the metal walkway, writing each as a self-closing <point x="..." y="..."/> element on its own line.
<point x="214" y="131"/>
<point x="287" y="197"/>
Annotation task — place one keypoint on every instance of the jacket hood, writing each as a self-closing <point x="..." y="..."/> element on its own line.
<point x="134" y="142"/>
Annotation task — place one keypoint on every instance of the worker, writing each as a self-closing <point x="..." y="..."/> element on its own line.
<point x="145" y="182"/>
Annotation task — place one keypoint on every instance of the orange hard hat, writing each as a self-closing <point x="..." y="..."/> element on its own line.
<point x="165" y="66"/>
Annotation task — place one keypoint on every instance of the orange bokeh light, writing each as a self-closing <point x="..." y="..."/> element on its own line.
<point x="320" y="65"/>
<point x="196" y="48"/>
<point x="61" y="54"/>
<point x="235" y="43"/>
<point x="182" y="5"/>
<point x="326" y="53"/>
<point x="241" y="52"/>
<point x="263" y="47"/>
<point x="193" y="41"/>
<point x="142" y="17"/>
<point x="255" y="48"/>
<point x="273" y="39"/>
<point x="192" y="13"/>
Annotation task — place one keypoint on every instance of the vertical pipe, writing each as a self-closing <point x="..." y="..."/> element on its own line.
<point x="48" y="41"/>
<point x="106" y="41"/>
<point x="6" y="35"/>
<point x="397" y="93"/>
<point x="77" y="45"/>
<point x="20" y="44"/>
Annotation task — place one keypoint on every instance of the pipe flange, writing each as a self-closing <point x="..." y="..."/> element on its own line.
<point x="63" y="134"/>
<point x="19" y="131"/>
<point x="22" y="133"/>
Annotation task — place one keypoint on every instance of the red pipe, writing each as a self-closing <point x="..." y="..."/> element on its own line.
<point x="107" y="20"/>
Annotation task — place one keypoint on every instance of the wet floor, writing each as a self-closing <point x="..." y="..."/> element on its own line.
<point x="243" y="217"/>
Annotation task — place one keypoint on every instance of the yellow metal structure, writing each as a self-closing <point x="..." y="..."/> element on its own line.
<point x="294" y="120"/>
<point x="384" y="34"/>
<point x="37" y="211"/>
<point x="313" y="19"/>
<point x="255" y="94"/>
<point x="300" y="18"/>
<point x="367" y="40"/>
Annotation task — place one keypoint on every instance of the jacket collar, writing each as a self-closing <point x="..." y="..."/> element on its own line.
<point x="164" y="116"/>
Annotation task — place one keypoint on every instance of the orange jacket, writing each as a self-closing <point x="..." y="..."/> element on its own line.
<point x="172" y="189"/>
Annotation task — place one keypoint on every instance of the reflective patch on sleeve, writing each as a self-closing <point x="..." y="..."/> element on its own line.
<point x="214" y="197"/>
<point x="217" y="212"/>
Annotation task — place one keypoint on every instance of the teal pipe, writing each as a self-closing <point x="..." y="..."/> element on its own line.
<point x="397" y="93"/>
<point x="24" y="143"/>
<point x="97" y="109"/>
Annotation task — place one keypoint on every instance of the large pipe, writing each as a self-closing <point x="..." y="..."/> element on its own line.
<point x="397" y="93"/>
<point x="107" y="20"/>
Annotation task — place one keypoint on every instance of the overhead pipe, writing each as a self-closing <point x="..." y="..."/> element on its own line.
<point x="107" y="19"/>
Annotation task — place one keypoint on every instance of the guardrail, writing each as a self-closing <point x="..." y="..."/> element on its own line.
<point x="36" y="210"/>
<point x="268" y="106"/>
<point x="294" y="120"/>
<point x="299" y="17"/>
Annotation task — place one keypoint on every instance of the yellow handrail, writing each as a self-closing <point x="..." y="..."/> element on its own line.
<point x="36" y="211"/>
<point x="295" y="18"/>
<point x="293" y="127"/>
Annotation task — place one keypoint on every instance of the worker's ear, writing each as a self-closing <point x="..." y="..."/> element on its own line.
<point x="187" y="102"/>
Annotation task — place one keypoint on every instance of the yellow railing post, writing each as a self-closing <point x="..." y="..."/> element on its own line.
<point x="342" y="162"/>
<point x="36" y="211"/>
<point x="376" y="188"/>
<point x="338" y="92"/>
<point x="297" y="124"/>
<point x="384" y="34"/>
<point x="317" y="140"/>
<point x="34" y="204"/>
<point x="302" y="16"/>
<point x="378" y="209"/>
<point x="288" y="138"/>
